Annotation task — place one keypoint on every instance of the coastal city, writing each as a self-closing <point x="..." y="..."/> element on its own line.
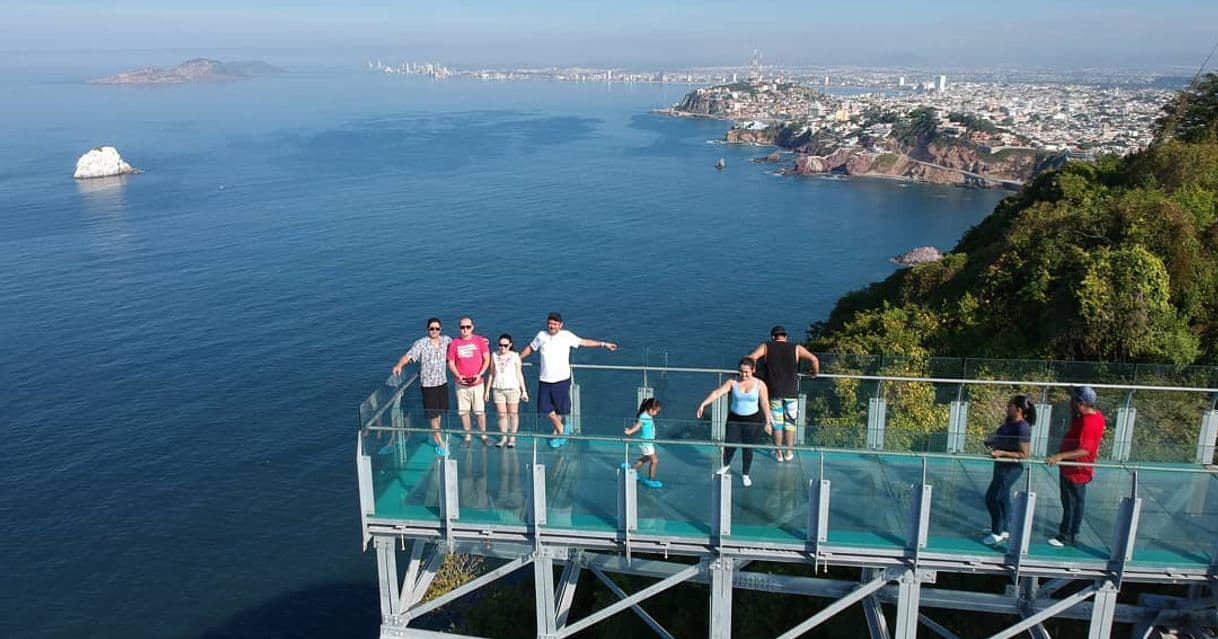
<point x="1079" y="114"/>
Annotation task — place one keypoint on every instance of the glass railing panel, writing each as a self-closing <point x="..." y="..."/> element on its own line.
<point x="958" y="514"/>
<point x="1166" y="425"/>
<point x="987" y="411"/>
<point x="405" y="473"/>
<point x="870" y="497"/>
<point x="775" y="507"/>
<point x="581" y="482"/>
<point x="917" y="415"/>
<point x="682" y="506"/>
<point x="1179" y="518"/>
<point x="1101" y="503"/>
<point x="493" y="482"/>
<point x="837" y="411"/>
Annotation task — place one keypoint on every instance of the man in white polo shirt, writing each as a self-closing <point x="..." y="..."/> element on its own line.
<point x="554" y="386"/>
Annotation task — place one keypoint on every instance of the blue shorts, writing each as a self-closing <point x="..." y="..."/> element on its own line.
<point x="554" y="397"/>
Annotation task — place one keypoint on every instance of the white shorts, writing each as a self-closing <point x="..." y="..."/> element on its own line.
<point x="647" y="449"/>
<point x="508" y="396"/>
<point x="470" y="397"/>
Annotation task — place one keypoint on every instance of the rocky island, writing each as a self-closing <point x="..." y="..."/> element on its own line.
<point x="102" y="161"/>
<point x="196" y="70"/>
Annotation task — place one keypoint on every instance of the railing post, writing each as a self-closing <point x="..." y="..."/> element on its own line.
<point x="644" y="392"/>
<point x="1125" y="531"/>
<point x="1208" y="437"/>
<point x="450" y="508"/>
<point x="721" y="507"/>
<point x="918" y="522"/>
<point x="1122" y="439"/>
<point x="719" y="419"/>
<point x="543" y="593"/>
<point x="877" y="409"/>
<point x="1023" y="513"/>
<point x="957" y="424"/>
<point x="627" y="503"/>
<point x="537" y="496"/>
<point x="801" y="421"/>
<point x="1040" y="430"/>
<point x="818" y="513"/>
<point x="575" y="421"/>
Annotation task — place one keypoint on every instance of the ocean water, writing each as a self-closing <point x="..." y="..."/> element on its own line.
<point x="182" y="351"/>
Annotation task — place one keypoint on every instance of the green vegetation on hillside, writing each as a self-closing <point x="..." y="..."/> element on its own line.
<point x="1116" y="261"/>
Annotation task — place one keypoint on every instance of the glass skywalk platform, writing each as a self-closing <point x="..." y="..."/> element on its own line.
<point x="889" y="477"/>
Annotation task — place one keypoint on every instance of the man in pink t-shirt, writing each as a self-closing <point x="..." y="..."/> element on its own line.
<point x="1081" y="445"/>
<point x="469" y="356"/>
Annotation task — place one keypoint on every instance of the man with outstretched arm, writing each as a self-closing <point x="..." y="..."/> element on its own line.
<point x="782" y="360"/>
<point x="554" y="386"/>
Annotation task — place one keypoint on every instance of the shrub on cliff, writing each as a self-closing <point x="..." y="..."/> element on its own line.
<point x="1113" y="260"/>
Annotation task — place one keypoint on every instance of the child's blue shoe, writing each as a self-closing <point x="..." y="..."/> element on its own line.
<point x="441" y="451"/>
<point x="652" y="483"/>
<point x="625" y="466"/>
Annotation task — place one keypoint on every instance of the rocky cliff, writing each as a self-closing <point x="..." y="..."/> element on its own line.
<point x="938" y="162"/>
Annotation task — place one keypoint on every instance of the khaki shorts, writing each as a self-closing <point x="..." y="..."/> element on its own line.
<point x="509" y="396"/>
<point x="470" y="397"/>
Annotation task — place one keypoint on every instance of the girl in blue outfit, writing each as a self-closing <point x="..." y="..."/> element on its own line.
<point x="1012" y="440"/>
<point x="645" y="426"/>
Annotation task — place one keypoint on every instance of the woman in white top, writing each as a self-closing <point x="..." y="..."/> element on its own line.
<point x="507" y="387"/>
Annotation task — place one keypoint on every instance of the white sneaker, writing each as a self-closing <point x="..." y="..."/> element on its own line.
<point x="1056" y="542"/>
<point x="723" y="470"/>
<point x="992" y="539"/>
<point x="790" y="455"/>
<point x="744" y="479"/>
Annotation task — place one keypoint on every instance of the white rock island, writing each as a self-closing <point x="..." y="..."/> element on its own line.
<point x="103" y="161"/>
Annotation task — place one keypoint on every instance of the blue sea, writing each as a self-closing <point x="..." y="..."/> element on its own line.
<point x="182" y="351"/>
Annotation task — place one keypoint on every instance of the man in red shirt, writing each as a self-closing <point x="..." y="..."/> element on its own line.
<point x="468" y="358"/>
<point x="1081" y="445"/>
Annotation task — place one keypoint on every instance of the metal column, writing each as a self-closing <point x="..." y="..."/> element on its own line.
<point x="573" y="420"/>
<point x="1207" y="438"/>
<point x="543" y="593"/>
<point x="957" y="426"/>
<point x="1040" y="430"/>
<point x="877" y="410"/>
<point x="721" y="573"/>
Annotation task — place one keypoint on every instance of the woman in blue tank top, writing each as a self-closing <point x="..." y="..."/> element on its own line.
<point x="745" y="418"/>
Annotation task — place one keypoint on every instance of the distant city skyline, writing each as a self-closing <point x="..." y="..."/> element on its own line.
<point x="1173" y="34"/>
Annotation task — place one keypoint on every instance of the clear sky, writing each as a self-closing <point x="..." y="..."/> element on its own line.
<point x="636" y="33"/>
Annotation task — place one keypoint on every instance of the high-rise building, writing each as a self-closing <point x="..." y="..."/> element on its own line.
<point x="826" y="80"/>
<point x="901" y="82"/>
<point x="942" y="83"/>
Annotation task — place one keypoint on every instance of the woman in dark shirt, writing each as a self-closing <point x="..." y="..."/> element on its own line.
<point x="1012" y="440"/>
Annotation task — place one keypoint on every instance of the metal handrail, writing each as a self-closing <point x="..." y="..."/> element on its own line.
<point x="898" y="378"/>
<point x="1182" y="468"/>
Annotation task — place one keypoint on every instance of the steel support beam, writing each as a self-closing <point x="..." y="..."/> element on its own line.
<point x="566" y="592"/>
<point x="936" y="628"/>
<point x="614" y="608"/>
<point x="819" y="491"/>
<point x="427" y="574"/>
<point x="721" y="507"/>
<point x="1103" y="607"/>
<point x="877" y="623"/>
<point x="537" y="496"/>
<point x="862" y="591"/>
<point x="574" y="420"/>
<point x="1024" y="512"/>
<point x="465" y="589"/>
<point x="1047" y="613"/>
<point x="719" y="419"/>
<point x="543" y="593"/>
<point x="721" y="572"/>
<point x="638" y="610"/>
<point x="387" y="577"/>
<point x="909" y="590"/>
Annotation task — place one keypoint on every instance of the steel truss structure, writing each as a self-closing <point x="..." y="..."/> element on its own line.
<point x="410" y="552"/>
<point x="901" y="579"/>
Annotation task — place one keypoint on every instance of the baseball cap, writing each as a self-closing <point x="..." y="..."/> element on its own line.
<point x="554" y="316"/>
<point x="1083" y="394"/>
<point x="778" y="330"/>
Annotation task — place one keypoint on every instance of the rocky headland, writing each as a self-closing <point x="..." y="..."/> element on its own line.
<point x="196" y="70"/>
<point x="100" y="162"/>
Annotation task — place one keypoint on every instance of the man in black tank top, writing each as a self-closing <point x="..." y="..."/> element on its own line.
<point x="782" y="377"/>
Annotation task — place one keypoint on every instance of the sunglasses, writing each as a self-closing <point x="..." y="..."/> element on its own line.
<point x="433" y="328"/>
<point x="465" y="326"/>
<point x="505" y="346"/>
